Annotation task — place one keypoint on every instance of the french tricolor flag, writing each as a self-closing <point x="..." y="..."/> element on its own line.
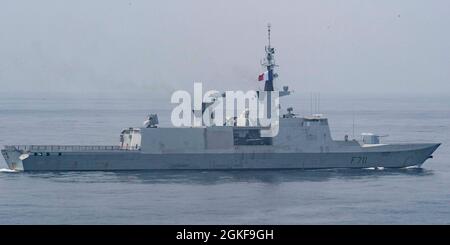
<point x="264" y="76"/>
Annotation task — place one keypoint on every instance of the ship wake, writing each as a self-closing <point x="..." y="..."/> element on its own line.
<point x="7" y="170"/>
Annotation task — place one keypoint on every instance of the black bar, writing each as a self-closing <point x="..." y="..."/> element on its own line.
<point x="225" y="234"/>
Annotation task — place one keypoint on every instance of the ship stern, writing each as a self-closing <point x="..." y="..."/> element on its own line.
<point x="14" y="158"/>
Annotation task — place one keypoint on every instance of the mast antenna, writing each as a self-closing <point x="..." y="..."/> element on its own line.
<point x="353" y="123"/>
<point x="318" y="104"/>
<point x="269" y="63"/>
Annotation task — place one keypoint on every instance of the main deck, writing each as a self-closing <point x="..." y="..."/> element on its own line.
<point x="66" y="148"/>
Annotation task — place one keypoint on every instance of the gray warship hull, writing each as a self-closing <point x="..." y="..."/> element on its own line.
<point x="46" y="159"/>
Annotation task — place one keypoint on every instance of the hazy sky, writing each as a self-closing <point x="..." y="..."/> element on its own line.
<point x="333" y="46"/>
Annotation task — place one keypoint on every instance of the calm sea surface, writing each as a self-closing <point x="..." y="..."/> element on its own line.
<point x="406" y="196"/>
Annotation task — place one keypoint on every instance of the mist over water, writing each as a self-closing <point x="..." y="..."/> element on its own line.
<point x="220" y="197"/>
<point x="117" y="46"/>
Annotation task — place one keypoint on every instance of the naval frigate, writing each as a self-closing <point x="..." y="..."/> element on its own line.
<point x="301" y="143"/>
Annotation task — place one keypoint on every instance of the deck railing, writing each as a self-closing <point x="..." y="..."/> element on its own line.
<point x="67" y="148"/>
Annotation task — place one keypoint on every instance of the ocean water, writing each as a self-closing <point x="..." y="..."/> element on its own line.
<point x="402" y="196"/>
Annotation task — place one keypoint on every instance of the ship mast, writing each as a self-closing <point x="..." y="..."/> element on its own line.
<point x="269" y="63"/>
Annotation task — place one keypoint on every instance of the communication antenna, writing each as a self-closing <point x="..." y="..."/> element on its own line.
<point x="353" y="123"/>
<point x="318" y="104"/>
<point x="315" y="101"/>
